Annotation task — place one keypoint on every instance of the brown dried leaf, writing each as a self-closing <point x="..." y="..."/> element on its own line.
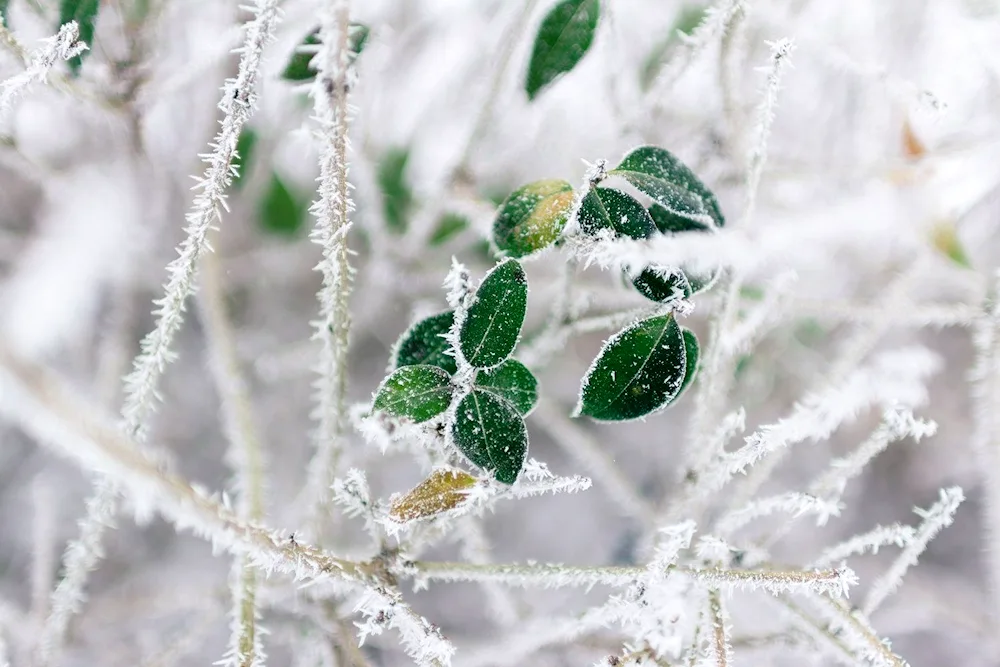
<point x="440" y="492"/>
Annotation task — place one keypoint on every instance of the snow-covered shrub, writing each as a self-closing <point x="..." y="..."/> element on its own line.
<point x="624" y="311"/>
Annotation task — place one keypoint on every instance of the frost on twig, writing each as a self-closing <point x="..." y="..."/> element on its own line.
<point x="82" y="555"/>
<point x="332" y="210"/>
<point x="239" y="99"/>
<point x="935" y="518"/>
<point x="880" y="536"/>
<point x="794" y="503"/>
<point x="64" y="45"/>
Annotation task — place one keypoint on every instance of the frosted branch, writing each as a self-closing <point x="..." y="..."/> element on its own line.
<point x="722" y="645"/>
<point x="238" y="102"/>
<point x="332" y="211"/>
<point x="794" y="503"/>
<point x="81" y="557"/>
<point x="64" y="45"/>
<point x="935" y="519"/>
<point x="780" y="52"/>
<point x="244" y="453"/>
<point x="880" y="536"/>
<point x="897" y="423"/>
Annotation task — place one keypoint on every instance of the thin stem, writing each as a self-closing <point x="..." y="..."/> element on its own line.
<point x="245" y="452"/>
<point x="332" y="211"/>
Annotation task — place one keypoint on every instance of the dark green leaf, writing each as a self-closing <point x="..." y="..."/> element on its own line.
<point x="671" y="223"/>
<point x="605" y="208"/>
<point x="662" y="284"/>
<point x="692" y="355"/>
<point x="494" y="320"/>
<point x="639" y="371"/>
<point x="562" y="40"/>
<point x="687" y="20"/>
<point x="532" y="217"/>
<point x="84" y="12"/>
<point x="244" y="154"/>
<point x="298" y="68"/>
<point x="511" y="380"/>
<point x="424" y="343"/>
<point x="670" y="183"/>
<point x="490" y="432"/>
<point x="448" y="227"/>
<point x="4" y="12"/>
<point x="417" y="392"/>
<point x="397" y="198"/>
<point x="280" y="212"/>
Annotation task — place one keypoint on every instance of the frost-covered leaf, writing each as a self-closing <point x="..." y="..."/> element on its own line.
<point x="532" y="217"/>
<point x="244" y="154"/>
<point x="605" y="208"/>
<point x="656" y="172"/>
<point x="441" y="491"/>
<point x="84" y="12"/>
<point x="692" y="356"/>
<point x="418" y="392"/>
<point x="639" y="371"/>
<point x="298" y="68"/>
<point x="566" y="33"/>
<point x="511" y="380"/>
<point x="494" y="320"/>
<point x="397" y="197"/>
<point x="671" y="223"/>
<point x="280" y="212"/>
<point x="662" y="284"/>
<point x="424" y="343"/>
<point x="448" y="226"/>
<point x="491" y="433"/>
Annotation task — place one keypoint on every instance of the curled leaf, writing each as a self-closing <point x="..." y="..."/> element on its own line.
<point x="443" y="490"/>
<point x="659" y="174"/>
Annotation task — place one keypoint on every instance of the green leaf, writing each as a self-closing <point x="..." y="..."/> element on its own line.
<point x="448" y="227"/>
<point x="656" y="172"/>
<point x="244" y="153"/>
<point x="513" y="381"/>
<point x="298" y="68"/>
<point x="562" y="40"/>
<point x="493" y="322"/>
<point x="424" y="343"/>
<point x="397" y="198"/>
<point x="4" y="12"/>
<point x="84" y="12"/>
<point x="280" y="212"/>
<point x="662" y="284"/>
<point x="605" y="208"/>
<point x="639" y="371"/>
<point x="490" y="432"/>
<point x="671" y="223"/>
<point x="692" y="355"/>
<point x="532" y="217"/>
<point x="417" y="392"/>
